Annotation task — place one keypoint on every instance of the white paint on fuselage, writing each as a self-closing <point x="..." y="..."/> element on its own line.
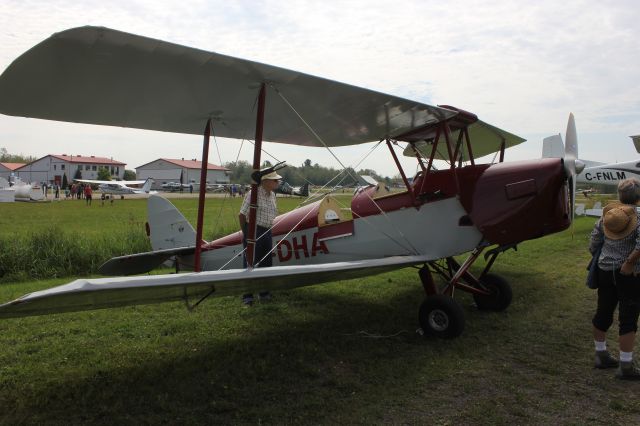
<point x="433" y="230"/>
<point x="610" y="174"/>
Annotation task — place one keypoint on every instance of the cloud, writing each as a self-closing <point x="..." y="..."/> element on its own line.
<point x="522" y="67"/>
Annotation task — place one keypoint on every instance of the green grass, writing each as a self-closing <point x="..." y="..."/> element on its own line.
<point x="341" y="353"/>
<point x="69" y="238"/>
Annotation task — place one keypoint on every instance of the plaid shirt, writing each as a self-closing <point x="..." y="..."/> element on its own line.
<point x="614" y="252"/>
<point x="267" y="210"/>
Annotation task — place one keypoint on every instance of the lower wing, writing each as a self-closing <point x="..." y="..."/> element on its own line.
<point x="99" y="293"/>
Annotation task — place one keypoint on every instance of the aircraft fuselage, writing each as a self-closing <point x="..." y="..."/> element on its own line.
<point x="450" y="213"/>
<point x="610" y="174"/>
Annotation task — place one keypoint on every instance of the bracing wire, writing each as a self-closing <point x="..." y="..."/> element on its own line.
<point x="313" y="132"/>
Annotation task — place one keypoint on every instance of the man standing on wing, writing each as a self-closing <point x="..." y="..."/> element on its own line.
<point x="267" y="211"/>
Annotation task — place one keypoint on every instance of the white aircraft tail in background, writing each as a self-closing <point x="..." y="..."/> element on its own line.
<point x="595" y="172"/>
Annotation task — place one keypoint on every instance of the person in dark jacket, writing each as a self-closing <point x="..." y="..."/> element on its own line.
<point x="617" y="231"/>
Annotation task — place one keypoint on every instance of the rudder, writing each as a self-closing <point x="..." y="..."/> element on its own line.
<point x="168" y="228"/>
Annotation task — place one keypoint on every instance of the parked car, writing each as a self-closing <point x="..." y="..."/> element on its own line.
<point x="172" y="186"/>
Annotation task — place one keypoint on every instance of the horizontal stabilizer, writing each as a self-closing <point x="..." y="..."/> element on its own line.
<point x="140" y="263"/>
<point x="87" y="294"/>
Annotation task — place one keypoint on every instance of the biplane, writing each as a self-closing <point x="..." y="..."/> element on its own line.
<point x="101" y="76"/>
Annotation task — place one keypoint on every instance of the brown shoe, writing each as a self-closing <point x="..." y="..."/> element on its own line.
<point x="603" y="359"/>
<point x="628" y="371"/>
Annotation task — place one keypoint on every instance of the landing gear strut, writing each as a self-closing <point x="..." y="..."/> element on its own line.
<point x="440" y="315"/>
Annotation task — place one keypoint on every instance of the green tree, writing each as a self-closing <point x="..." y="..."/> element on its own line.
<point x="103" y="173"/>
<point x="5" y="157"/>
<point x="239" y="172"/>
<point x="78" y="174"/>
<point x="129" y="175"/>
<point x="65" y="182"/>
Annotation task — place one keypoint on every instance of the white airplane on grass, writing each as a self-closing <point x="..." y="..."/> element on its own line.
<point x="465" y="208"/>
<point x="121" y="187"/>
<point x="596" y="172"/>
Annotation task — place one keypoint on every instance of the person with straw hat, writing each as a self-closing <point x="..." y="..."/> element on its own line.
<point x="265" y="214"/>
<point x="618" y="234"/>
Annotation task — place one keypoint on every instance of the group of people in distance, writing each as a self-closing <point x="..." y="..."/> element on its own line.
<point x="79" y="190"/>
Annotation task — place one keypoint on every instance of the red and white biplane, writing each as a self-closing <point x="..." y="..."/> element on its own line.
<point x="106" y="77"/>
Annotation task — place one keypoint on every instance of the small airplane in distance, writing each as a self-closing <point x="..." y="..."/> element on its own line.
<point x="121" y="187"/>
<point x="300" y="191"/>
<point x="467" y="208"/>
<point x="596" y="172"/>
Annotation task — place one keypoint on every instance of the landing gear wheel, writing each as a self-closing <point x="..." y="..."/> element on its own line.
<point x="499" y="298"/>
<point x="441" y="316"/>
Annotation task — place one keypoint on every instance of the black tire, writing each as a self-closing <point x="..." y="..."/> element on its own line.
<point x="500" y="297"/>
<point x="441" y="316"/>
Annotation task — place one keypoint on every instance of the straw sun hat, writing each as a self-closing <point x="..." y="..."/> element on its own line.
<point x="619" y="220"/>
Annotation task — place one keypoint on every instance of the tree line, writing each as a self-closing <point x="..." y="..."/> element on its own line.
<point x="240" y="172"/>
<point x="5" y="157"/>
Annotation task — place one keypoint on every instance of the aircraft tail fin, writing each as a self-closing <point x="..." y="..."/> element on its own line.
<point x="168" y="228"/>
<point x="636" y="142"/>
<point x="553" y="147"/>
<point x="147" y="186"/>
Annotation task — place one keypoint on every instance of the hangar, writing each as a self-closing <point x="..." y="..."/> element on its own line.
<point x="164" y="170"/>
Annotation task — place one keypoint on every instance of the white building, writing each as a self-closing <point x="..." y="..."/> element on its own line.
<point x="6" y="169"/>
<point x="52" y="168"/>
<point x="164" y="170"/>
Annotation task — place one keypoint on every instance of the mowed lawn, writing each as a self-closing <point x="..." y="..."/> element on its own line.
<point x="340" y="353"/>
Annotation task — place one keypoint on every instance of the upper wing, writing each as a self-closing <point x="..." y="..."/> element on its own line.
<point x="102" y="76"/>
<point x="485" y="139"/>
<point x="86" y="294"/>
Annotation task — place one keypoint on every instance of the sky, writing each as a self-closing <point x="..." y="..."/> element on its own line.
<point x="520" y="66"/>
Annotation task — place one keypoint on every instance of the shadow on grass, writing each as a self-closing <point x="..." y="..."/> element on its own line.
<point x="304" y="359"/>
<point x="300" y="358"/>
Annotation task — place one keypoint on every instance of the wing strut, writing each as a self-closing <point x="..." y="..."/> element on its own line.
<point x="253" y="202"/>
<point x="404" y="177"/>
<point x="197" y="267"/>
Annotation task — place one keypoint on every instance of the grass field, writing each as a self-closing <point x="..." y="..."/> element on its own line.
<point x="340" y="353"/>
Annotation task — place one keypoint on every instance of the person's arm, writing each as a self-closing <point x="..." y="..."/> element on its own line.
<point x="244" y="211"/>
<point x="243" y="221"/>
<point x="597" y="237"/>
<point x="629" y="264"/>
